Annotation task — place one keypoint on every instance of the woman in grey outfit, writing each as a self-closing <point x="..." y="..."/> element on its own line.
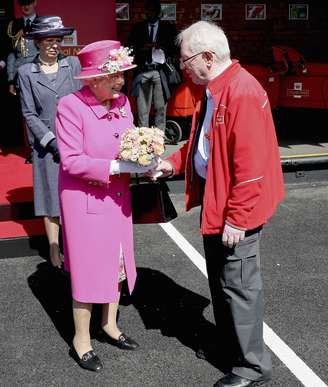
<point x="42" y="82"/>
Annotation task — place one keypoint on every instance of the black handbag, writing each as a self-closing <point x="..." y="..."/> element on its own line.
<point x="172" y="74"/>
<point x="151" y="202"/>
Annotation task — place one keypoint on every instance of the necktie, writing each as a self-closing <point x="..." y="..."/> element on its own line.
<point x="151" y="33"/>
<point x="28" y="24"/>
<point x="200" y="123"/>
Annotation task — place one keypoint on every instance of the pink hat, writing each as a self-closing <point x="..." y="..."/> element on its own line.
<point x="104" y="57"/>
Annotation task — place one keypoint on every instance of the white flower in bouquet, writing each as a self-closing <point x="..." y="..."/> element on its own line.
<point x="141" y="145"/>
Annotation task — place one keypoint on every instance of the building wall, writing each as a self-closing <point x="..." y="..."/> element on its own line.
<point x="92" y="20"/>
<point x="250" y="40"/>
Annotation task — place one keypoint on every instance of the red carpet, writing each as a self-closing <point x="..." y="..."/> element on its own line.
<point x="21" y="228"/>
<point x="16" y="188"/>
<point x="16" y="178"/>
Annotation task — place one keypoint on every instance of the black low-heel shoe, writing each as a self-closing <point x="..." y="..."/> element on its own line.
<point x="89" y="361"/>
<point x="123" y="342"/>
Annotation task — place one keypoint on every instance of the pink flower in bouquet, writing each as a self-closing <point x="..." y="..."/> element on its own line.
<point x="141" y="145"/>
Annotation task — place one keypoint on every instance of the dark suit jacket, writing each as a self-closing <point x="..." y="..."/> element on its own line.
<point x="165" y="39"/>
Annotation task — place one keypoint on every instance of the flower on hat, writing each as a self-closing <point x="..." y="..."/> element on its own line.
<point x="118" y="59"/>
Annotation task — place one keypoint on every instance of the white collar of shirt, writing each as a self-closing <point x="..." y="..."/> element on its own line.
<point x="32" y="17"/>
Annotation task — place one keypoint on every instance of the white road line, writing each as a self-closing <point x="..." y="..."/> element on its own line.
<point x="302" y="372"/>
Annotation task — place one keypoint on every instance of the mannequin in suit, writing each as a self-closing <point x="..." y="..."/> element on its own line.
<point x="153" y="43"/>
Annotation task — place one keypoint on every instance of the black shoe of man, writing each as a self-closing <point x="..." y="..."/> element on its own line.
<point x="232" y="380"/>
<point x="28" y="159"/>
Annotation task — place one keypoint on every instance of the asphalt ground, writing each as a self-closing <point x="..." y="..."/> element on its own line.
<point x="170" y="312"/>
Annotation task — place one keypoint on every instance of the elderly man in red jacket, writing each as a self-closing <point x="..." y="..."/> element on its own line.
<point x="232" y="168"/>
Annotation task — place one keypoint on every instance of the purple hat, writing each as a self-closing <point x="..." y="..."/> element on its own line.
<point x="104" y="57"/>
<point x="45" y="26"/>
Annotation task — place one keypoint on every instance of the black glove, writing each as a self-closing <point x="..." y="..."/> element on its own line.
<point x="53" y="149"/>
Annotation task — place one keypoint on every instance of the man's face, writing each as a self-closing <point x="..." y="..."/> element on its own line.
<point x="194" y="64"/>
<point x="152" y="13"/>
<point x="29" y="9"/>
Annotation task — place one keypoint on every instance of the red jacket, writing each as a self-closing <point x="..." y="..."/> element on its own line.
<point x="244" y="178"/>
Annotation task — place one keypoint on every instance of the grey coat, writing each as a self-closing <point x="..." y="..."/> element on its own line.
<point x="39" y="98"/>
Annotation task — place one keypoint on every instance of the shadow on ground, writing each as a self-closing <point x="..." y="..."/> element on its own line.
<point x="176" y="312"/>
<point x="161" y="303"/>
<point x="51" y="286"/>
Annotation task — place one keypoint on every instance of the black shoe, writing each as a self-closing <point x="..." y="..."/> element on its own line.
<point x="123" y="342"/>
<point x="28" y="160"/>
<point x="90" y="361"/>
<point x="232" y="380"/>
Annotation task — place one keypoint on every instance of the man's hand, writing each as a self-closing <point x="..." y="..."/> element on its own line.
<point x="163" y="169"/>
<point x="53" y="149"/>
<point x="231" y="236"/>
<point x="12" y="90"/>
<point x="149" y="45"/>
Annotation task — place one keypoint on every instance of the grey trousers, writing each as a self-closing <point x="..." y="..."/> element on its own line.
<point x="150" y="91"/>
<point x="236" y="289"/>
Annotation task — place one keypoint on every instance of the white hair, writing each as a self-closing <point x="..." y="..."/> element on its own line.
<point x="205" y="36"/>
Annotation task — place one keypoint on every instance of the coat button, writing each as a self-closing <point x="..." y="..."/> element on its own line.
<point x="118" y="194"/>
<point x="116" y="135"/>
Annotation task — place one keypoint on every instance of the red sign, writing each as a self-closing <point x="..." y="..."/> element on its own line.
<point x="71" y="50"/>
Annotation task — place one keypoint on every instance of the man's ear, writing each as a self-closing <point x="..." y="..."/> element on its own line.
<point x="208" y="56"/>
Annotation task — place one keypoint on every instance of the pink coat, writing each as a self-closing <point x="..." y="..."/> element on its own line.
<point x="95" y="208"/>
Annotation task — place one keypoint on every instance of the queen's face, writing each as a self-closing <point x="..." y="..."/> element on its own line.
<point x="108" y="86"/>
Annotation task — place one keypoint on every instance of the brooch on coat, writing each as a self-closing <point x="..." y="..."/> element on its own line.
<point x="122" y="111"/>
<point x="111" y="114"/>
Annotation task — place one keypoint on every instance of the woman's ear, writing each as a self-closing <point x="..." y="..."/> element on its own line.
<point x="36" y="43"/>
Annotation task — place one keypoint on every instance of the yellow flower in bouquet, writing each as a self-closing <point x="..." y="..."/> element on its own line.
<point x="141" y="145"/>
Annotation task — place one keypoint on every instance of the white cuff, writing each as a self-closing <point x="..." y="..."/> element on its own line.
<point x="46" y="139"/>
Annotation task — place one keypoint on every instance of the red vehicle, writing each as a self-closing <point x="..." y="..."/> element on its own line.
<point x="302" y="85"/>
<point x="180" y="109"/>
<point x="290" y="82"/>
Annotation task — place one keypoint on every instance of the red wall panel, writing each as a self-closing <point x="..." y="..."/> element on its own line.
<point x="92" y="20"/>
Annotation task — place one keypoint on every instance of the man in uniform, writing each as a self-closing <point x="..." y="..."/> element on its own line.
<point x="23" y="50"/>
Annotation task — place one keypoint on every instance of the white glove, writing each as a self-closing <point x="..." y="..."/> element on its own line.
<point x="2" y="64"/>
<point x="231" y="236"/>
<point x="120" y="166"/>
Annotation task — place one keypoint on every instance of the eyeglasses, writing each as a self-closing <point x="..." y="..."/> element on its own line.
<point x="183" y="61"/>
<point x="52" y="42"/>
<point x="190" y="57"/>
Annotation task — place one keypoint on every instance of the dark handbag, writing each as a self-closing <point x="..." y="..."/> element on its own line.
<point x="172" y="74"/>
<point x="151" y="202"/>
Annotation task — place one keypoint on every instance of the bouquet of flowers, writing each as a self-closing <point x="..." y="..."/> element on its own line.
<point x="141" y="145"/>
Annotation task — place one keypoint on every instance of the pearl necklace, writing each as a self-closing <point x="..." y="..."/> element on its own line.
<point x="47" y="63"/>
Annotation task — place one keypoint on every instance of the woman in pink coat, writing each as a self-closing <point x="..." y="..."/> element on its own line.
<point x="94" y="195"/>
